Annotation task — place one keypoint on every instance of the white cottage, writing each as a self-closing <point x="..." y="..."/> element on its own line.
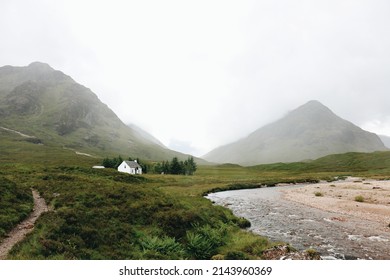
<point x="131" y="167"/>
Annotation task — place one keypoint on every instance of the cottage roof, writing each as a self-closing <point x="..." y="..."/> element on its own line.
<point x="132" y="164"/>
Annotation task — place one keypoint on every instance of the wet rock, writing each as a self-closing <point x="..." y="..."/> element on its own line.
<point x="218" y="257"/>
<point x="29" y="226"/>
<point x="340" y="219"/>
<point x="285" y="252"/>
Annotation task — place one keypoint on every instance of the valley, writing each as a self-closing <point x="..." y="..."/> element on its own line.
<point x="103" y="214"/>
<point x="54" y="130"/>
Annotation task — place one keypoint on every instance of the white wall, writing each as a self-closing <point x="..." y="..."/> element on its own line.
<point x="123" y="167"/>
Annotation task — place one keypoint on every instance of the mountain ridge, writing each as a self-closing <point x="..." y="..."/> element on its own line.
<point x="144" y="134"/>
<point x="308" y="132"/>
<point x="41" y="101"/>
<point x="386" y="140"/>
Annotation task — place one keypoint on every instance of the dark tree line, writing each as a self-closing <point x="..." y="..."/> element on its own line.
<point x="187" y="167"/>
<point x="112" y="162"/>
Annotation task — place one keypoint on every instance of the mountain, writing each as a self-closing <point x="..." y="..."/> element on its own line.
<point x="386" y="140"/>
<point x="55" y="110"/>
<point x="142" y="134"/>
<point x="308" y="132"/>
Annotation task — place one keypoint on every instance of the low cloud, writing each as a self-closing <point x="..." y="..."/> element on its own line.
<point x="208" y="73"/>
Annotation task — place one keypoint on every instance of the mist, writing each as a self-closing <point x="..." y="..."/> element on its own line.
<point x="201" y="74"/>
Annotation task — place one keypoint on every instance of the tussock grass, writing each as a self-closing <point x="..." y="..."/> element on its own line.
<point x="359" y="198"/>
<point x="16" y="203"/>
<point x="101" y="214"/>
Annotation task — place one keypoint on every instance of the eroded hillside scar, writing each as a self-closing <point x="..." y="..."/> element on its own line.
<point x="21" y="230"/>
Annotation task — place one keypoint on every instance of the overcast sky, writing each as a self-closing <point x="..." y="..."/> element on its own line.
<point x="198" y="74"/>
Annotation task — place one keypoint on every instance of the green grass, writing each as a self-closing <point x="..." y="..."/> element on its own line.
<point x="103" y="214"/>
<point x="375" y="164"/>
<point x="359" y="198"/>
<point x="16" y="203"/>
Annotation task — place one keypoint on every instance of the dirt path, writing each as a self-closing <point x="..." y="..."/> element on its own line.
<point x="79" y="153"/>
<point x="17" y="132"/>
<point x="22" y="229"/>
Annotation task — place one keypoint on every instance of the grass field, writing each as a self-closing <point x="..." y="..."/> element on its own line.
<point x="102" y="214"/>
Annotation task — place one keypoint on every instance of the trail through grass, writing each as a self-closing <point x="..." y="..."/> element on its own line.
<point x="103" y="214"/>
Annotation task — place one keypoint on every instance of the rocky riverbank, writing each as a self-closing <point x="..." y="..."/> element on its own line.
<point x="363" y="199"/>
<point x="309" y="222"/>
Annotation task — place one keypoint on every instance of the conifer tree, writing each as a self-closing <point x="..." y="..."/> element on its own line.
<point x="175" y="167"/>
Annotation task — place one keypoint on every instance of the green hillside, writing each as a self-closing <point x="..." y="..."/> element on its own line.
<point x="102" y="214"/>
<point x="55" y="110"/>
<point x="53" y="130"/>
<point x="359" y="164"/>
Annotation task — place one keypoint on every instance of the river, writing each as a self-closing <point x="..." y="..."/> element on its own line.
<point x="305" y="227"/>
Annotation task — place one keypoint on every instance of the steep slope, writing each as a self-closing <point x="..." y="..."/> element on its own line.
<point x="142" y="134"/>
<point x="49" y="105"/>
<point x="386" y="140"/>
<point x="309" y="132"/>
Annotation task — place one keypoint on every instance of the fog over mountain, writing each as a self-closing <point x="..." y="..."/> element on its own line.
<point x="385" y="140"/>
<point x="188" y="70"/>
<point x="308" y="132"/>
<point x="143" y="134"/>
<point x="45" y="103"/>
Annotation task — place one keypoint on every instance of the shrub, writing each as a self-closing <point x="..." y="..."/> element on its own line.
<point x="253" y="245"/>
<point x="16" y="203"/>
<point x="176" y="222"/>
<point x="359" y="198"/>
<point x="318" y="194"/>
<point x="51" y="247"/>
<point x="203" y="242"/>
<point x="215" y="235"/>
<point x="199" y="247"/>
<point x="312" y="254"/>
<point x="235" y="255"/>
<point x="218" y="257"/>
<point x="155" y="247"/>
<point x="242" y="222"/>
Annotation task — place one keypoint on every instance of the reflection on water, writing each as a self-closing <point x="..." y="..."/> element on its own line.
<point x="332" y="235"/>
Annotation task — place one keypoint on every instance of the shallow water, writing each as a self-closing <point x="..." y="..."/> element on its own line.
<point x="304" y="227"/>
